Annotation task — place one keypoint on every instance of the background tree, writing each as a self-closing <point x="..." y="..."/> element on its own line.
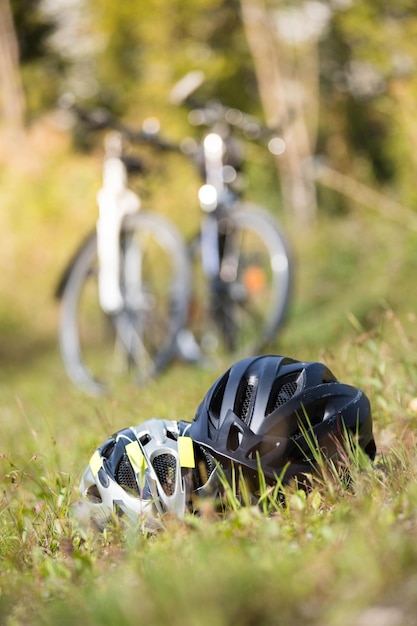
<point x="338" y="75"/>
<point x="12" y="98"/>
<point x="31" y="68"/>
<point x="283" y="42"/>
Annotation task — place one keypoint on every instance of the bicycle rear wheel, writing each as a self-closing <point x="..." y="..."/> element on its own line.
<point x="138" y="342"/>
<point x="240" y="311"/>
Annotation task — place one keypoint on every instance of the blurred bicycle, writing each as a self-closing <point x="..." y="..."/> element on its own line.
<point x="240" y="259"/>
<point x="124" y="295"/>
<point x="133" y="297"/>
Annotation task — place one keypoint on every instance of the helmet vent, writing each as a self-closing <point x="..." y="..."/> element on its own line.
<point x="246" y="398"/>
<point x="93" y="494"/>
<point x="234" y="439"/>
<point x="284" y="391"/>
<point x="205" y="466"/>
<point x="125" y="475"/>
<point x="217" y="399"/>
<point x="165" y="466"/>
<point x="145" y="439"/>
<point x="210" y="462"/>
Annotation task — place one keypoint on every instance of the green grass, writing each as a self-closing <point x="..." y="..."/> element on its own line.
<point x="337" y="557"/>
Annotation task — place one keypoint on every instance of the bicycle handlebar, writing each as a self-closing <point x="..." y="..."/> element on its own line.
<point x="214" y="112"/>
<point x="210" y="115"/>
<point x="101" y="119"/>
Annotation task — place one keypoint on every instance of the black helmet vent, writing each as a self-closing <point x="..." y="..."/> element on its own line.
<point x="125" y="475"/>
<point x="205" y="465"/>
<point x="217" y="399"/>
<point x="210" y="462"/>
<point x="283" y="390"/>
<point x="165" y="466"/>
<point x="108" y="447"/>
<point x="172" y="435"/>
<point x="145" y="439"/>
<point x="245" y="399"/>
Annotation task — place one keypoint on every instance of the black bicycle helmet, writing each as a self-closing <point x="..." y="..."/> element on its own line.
<point x="280" y="411"/>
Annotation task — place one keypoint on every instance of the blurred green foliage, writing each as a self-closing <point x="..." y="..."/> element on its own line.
<point x="127" y="56"/>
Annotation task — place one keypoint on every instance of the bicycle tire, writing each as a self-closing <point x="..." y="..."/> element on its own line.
<point x="240" y="316"/>
<point x="139" y="341"/>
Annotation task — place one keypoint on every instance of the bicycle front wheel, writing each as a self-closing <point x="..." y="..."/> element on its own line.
<point x="139" y="341"/>
<point x="239" y="311"/>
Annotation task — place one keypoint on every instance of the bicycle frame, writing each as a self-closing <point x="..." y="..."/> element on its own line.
<point x="115" y="201"/>
<point x="215" y="195"/>
<point x="209" y="195"/>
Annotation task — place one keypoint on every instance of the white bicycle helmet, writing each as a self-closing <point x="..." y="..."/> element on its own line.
<point x="145" y="471"/>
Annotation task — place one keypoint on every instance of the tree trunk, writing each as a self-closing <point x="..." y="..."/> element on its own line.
<point x="12" y="101"/>
<point x="283" y="96"/>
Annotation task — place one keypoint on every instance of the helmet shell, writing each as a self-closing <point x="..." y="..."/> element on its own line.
<point x="145" y="471"/>
<point x="279" y="411"/>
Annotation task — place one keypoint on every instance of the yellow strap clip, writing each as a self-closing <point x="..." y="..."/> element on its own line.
<point x="136" y="457"/>
<point x="96" y="463"/>
<point x="186" y="452"/>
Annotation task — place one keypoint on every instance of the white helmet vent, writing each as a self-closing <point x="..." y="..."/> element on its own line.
<point x="125" y="475"/>
<point x="165" y="466"/>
